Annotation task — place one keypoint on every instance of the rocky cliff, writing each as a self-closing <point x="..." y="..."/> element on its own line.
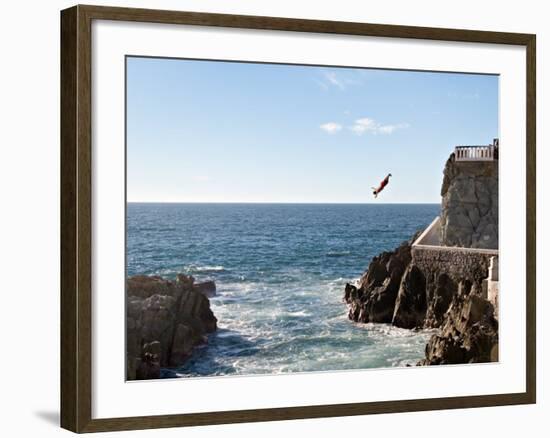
<point x="409" y="293"/>
<point x="441" y="287"/>
<point x="165" y="320"/>
<point x="469" y="333"/>
<point x="469" y="204"/>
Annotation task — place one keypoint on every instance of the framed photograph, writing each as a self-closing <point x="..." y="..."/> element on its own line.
<point x="271" y="218"/>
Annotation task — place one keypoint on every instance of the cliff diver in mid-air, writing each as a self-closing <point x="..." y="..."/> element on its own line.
<point x="383" y="184"/>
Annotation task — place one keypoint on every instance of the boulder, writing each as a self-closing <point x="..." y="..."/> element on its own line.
<point x="165" y="320"/>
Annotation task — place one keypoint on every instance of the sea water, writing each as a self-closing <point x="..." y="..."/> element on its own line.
<point x="280" y="272"/>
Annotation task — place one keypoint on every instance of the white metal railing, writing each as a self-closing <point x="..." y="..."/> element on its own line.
<point x="475" y="153"/>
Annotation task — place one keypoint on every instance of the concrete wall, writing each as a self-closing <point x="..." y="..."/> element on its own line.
<point x="431" y="235"/>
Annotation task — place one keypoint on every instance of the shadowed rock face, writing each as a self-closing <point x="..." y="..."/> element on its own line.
<point x="373" y="300"/>
<point x="165" y="320"/>
<point x="469" y="204"/>
<point x="395" y="290"/>
<point x="469" y="333"/>
<point x="411" y="305"/>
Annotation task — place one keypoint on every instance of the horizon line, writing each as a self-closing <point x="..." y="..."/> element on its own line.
<point x="278" y="202"/>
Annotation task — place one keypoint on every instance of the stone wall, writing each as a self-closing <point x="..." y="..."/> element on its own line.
<point x="469" y="204"/>
<point x="458" y="263"/>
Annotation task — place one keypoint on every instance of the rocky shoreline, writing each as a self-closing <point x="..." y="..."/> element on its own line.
<point x="444" y="282"/>
<point x="165" y="321"/>
<point x="395" y="290"/>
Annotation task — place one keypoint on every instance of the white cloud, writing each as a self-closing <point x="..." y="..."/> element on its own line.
<point x="366" y="124"/>
<point x="331" y="127"/>
<point x="331" y="77"/>
<point x="339" y="80"/>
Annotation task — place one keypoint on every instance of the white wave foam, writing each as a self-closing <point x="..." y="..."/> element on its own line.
<point x="299" y="313"/>
<point x="206" y="268"/>
<point x="166" y="272"/>
<point x="338" y="253"/>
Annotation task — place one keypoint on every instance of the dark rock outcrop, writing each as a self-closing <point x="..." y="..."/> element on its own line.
<point x="411" y="304"/>
<point x="207" y="288"/>
<point x="373" y="299"/>
<point x="469" y="204"/>
<point x="469" y="333"/>
<point x="165" y="320"/>
<point x="396" y="290"/>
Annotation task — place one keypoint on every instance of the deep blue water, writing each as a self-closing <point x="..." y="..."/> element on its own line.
<point x="280" y="270"/>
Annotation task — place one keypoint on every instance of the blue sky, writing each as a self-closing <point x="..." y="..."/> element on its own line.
<point x="207" y="131"/>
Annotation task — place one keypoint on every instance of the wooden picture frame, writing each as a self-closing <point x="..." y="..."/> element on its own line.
<point x="76" y="217"/>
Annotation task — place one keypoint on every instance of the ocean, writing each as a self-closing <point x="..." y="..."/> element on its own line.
<point x="280" y="272"/>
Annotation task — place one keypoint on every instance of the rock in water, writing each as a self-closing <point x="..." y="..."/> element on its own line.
<point x="373" y="300"/>
<point x="165" y="320"/>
